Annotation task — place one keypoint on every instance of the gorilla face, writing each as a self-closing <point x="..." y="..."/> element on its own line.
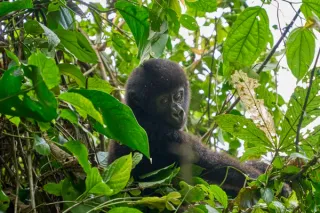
<point x="169" y="107"/>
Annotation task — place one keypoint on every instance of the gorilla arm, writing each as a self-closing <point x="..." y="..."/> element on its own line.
<point x="219" y="166"/>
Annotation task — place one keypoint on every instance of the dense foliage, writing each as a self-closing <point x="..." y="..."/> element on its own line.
<point x="63" y="66"/>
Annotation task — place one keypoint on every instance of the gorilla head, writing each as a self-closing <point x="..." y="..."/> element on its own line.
<point x="159" y="90"/>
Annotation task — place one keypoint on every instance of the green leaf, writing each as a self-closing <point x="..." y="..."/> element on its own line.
<point x="71" y="191"/>
<point x="267" y="195"/>
<point x="80" y="151"/>
<point x="78" y="45"/>
<point x="124" y="210"/>
<point x="244" y="129"/>
<point x="96" y="83"/>
<point x="175" y="5"/>
<point x="13" y="57"/>
<point x="41" y="146"/>
<point x="48" y="68"/>
<point x="137" y="19"/>
<point x="117" y="174"/>
<point x="95" y="184"/>
<point x="290" y="122"/>
<point x="14" y="101"/>
<point x="4" y="200"/>
<point x="253" y="152"/>
<point x="247" y="38"/>
<point x="191" y="193"/>
<point x="73" y="72"/>
<point x="155" y="178"/>
<point x="69" y="115"/>
<point x="203" y="5"/>
<point x="189" y="22"/>
<point x="7" y="7"/>
<point x="61" y="19"/>
<point x="15" y="120"/>
<point x="119" y="118"/>
<point x="300" y="51"/>
<point x="81" y="103"/>
<point x="219" y="195"/>
<point x="34" y="27"/>
<point x="309" y="6"/>
<point x="276" y="206"/>
<point x="54" y="188"/>
<point x="161" y="202"/>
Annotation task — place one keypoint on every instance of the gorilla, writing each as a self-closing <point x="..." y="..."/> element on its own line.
<point x="159" y="95"/>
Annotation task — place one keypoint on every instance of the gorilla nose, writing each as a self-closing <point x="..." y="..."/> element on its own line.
<point x="178" y="115"/>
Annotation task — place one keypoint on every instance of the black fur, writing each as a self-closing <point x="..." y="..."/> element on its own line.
<point x="167" y="144"/>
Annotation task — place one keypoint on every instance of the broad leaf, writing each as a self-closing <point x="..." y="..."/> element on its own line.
<point x="82" y="104"/>
<point x="54" y="188"/>
<point x="95" y="184"/>
<point x="189" y="22"/>
<point x="73" y="72"/>
<point x="309" y="7"/>
<point x="78" y="45"/>
<point x="247" y="38"/>
<point x="219" y="195"/>
<point x="69" y="115"/>
<point x="291" y="120"/>
<point x="137" y="19"/>
<point x="191" y="193"/>
<point x="300" y="51"/>
<point x="15" y="101"/>
<point x="124" y="210"/>
<point x="48" y="68"/>
<point x="119" y="118"/>
<point x="80" y="151"/>
<point x="243" y="128"/>
<point x="203" y="5"/>
<point x="99" y="84"/>
<point x="4" y="201"/>
<point x="7" y="7"/>
<point x="117" y="174"/>
<point x="34" y="27"/>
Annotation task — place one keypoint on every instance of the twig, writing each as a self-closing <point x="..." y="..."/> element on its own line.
<point x="305" y="168"/>
<point x="29" y="158"/>
<point x="306" y="102"/>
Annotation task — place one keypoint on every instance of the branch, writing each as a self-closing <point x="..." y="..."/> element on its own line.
<point x="306" y="101"/>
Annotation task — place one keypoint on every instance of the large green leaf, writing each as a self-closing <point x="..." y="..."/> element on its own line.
<point x="310" y="6"/>
<point x="47" y="67"/>
<point x="292" y="116"/>
<point x="80" y="151"/>
<point x="247" y="38"/>
<point x="73" y="72"/>
<point x="244" y="129"/>
<point x="61" y="19"/>
<point x="16" y="101"/>
<point x="124" y="210"/>
<point x="203" y="5"/>
<point x="300" y="51"/>
<point x="34" y="27"/>
<point x="137" y="19"/>
<point x="119" y="118"/>
<point x="117" y="174"/>
<point x="189" y="22"/>
<point x="4" y="201"/>
<point x="82" y="104"/>
<point x="95" y="184"/>
<point x="78" y="45"/>
<point x="7" y="7"/>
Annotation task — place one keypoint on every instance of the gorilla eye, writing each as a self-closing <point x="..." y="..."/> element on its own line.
<point x="164" y="100"/>
<point x="178" y="97"/>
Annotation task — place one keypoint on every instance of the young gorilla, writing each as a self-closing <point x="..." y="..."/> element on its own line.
<point x="158" y="94"/>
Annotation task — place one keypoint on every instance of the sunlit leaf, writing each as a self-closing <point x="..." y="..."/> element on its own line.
<point x="300" y="51"/>
<point x="248" y="37"/>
